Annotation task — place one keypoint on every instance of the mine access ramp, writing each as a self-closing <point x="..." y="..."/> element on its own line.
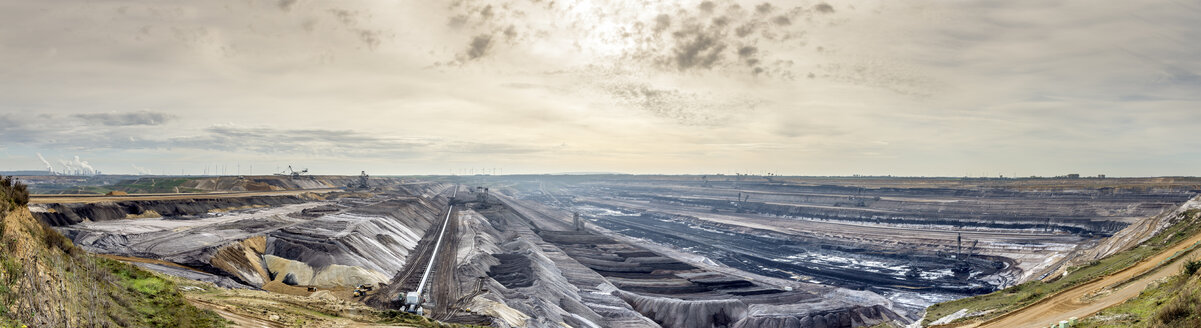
<point x="413" y="300"/>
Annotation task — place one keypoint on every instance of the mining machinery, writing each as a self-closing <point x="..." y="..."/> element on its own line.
<point x="296" y="174"/>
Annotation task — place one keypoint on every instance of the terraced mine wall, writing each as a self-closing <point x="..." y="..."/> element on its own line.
<point x="1073" y="217"/>
<point x="672" y="293"/>
<point x="769" y="254"/>
<point x="528" y="282"/>
<point x="278" y="243"/>
<point x="677" y="294"/>
<point x="58" y="215"/>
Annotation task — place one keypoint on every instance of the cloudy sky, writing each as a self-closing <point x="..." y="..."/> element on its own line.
<point x="946" y="88"/>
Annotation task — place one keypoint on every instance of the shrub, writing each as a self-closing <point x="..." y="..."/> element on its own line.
<point x="1180" y="309"/>
<point x="13" y="194"/>
<point x="54" y="239"/>
<point x="1191" y="267"/>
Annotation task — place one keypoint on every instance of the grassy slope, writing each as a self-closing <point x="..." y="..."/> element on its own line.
<point x="45" y="281"/>
<point x="1015" y="297"/>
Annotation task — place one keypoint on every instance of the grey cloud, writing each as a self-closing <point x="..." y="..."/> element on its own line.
<point x="370" y="38"/>
<point x="696" y="49"/>
<point x="662" y="22"/>
<point x="287" y="5"/>
<point x="1181" y="76"/>
<point x="745" y="30"/>
<point x="350" y="20"/>
<point x="479" y="46"/>
<point x="270" y="140"/>
<point x="681" y="106"/>
<point x="309" y="24"/>
<point x="347" y="17"/>
<point x="127" y="119"/>
<point x="721" y="21"/>
<point x="15" y="130"/>
<point x="764" y="8"/>
<point x="490" y="148"/>
<point x="824" y="8"/>
<point x="457" y="21"/>
<point x="674" y="39"/>
<point x="510" y="33"/>
<point x="747" y="54"/>
<point x="334" y="143"/>
<point x="486" y="13"/>
<point x="880" y="73"/>
<point x="747" y="51"/>
<point x="242" y="139"/>
<point x="802" y="128"/>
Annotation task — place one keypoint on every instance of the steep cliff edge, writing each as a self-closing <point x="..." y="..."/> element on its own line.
<point x="46" y="281"/>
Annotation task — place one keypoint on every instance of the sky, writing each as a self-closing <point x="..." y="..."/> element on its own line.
<point x="911" y="88"/>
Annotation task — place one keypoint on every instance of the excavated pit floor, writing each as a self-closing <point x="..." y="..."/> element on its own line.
<point x="898" y="238"/>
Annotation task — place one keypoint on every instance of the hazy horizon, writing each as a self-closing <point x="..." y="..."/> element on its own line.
<point x="811" y="88"/>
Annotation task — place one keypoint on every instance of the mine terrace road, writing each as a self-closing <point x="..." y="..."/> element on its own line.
<point x="55" y="199"/>
<point x="1071" y="303"/>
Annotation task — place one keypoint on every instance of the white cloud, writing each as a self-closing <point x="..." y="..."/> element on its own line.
<point x="695" y="86"/>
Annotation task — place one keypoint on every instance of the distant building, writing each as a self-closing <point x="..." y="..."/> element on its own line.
<point x="1100" y="176"/>
<point x="1074" y="176"/>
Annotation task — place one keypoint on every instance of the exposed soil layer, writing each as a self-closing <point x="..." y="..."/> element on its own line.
<point x="64" y="214"/>
<point x="513" y="271"/>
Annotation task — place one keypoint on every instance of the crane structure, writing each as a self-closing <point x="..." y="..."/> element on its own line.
<point x="362" y="183"/>
<point x="296" y="174"/>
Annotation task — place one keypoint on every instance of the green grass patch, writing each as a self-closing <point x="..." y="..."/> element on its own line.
<point x="1012" y="298"/>
<point x="154" y="185"/>
<point x="149" y="286"/>
<point x="156" y="300"/>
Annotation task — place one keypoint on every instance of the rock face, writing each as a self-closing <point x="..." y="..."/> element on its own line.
<point x="243" y="260"/>
<point x="68" y="214"/>
<point x="376" y="237"/>
<point x="298" y="273"/>
<point x="361" y="245"/>
<point x="670" y="312"/>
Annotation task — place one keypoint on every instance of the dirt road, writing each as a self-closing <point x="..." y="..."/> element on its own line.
<point x="1073" y="302"/>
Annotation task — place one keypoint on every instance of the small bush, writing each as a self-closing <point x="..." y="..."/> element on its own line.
<point x="1191" y="267"/>
<point x="1180" y="309"/>
<point x="54" y="239"/>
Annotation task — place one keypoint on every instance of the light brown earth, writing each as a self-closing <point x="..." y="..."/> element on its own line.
<point x="1087" y="299"/>
<point x="252" y="308"/>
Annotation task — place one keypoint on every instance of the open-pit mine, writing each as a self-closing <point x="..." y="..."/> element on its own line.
<point x="623" y="250"/>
